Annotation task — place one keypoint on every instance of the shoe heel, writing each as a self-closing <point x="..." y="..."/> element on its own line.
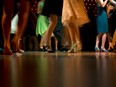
<point x="103" y="50"/>
<point x="72" y="49"/>
<point x="97" y="49"/>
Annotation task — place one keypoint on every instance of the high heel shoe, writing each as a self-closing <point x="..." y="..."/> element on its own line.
<point x="103" y="50"/>
<point x="97" y="49"/>
<point x="73" y="49"/>
<point x="45" y="48"/>
<point x="111" y="49"/>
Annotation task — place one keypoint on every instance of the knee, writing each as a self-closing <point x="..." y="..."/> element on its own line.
<point x="54" y="19"/>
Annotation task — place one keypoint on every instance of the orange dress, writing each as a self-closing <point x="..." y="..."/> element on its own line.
<point x="74" y="11"/>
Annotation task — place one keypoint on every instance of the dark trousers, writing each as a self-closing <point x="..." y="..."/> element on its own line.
<point x="58" y="32"/>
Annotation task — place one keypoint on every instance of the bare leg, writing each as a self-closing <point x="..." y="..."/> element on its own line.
<point x="97" y="41"/>
<point x="103" y="41"/>
<point x="66" y="42"/>
<point x="71" y="33"/>
<point x="51" y="27"/>
<point x="78" y="39"/>
<point x="109" y="41"/>
<point x="43" y="43"/>
<point x="114" y="39"/>
<point x="73" y="36"/>
<point x="6" y="25"/>
<point x="43" y="38"/>
<point x="23" y="18"/>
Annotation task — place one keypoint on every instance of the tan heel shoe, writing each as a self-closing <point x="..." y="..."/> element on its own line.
<point x="73" y="49"/>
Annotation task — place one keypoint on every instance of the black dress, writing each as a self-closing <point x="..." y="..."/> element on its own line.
<point x="52" y="7"/>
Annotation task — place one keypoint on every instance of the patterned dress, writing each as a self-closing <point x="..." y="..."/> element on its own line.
<point x="74" y="11"/>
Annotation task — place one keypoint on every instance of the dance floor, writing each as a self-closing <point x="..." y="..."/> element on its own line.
<point x="60" y="69"/>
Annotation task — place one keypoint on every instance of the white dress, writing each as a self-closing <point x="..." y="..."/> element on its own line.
<point x="14" y="23"/>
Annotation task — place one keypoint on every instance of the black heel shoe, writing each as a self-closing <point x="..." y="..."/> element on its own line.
<point x="111" y="49"/>
<point x="103" y="50"/>
<point x="97" y="49"/>
<point x="51" y="51"/>
<point x="45" y="48"/>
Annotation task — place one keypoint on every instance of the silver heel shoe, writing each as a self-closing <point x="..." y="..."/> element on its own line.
<point x="97" y="49"/>
<point x="73" y="49"/>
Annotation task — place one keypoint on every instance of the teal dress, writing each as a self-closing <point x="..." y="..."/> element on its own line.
<point x="42" y="22"/>
<point x="102" y="20"/>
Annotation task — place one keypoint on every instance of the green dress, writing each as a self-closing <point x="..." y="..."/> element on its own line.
<point x="42" y="22"/>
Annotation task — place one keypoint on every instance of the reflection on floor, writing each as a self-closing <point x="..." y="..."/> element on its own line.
<point x="60" y="69"/>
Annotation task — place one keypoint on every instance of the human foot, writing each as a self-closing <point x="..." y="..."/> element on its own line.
<point x="7" y="51"/>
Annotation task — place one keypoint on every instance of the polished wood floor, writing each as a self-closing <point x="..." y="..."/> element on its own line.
<point x="60" y="69"/>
